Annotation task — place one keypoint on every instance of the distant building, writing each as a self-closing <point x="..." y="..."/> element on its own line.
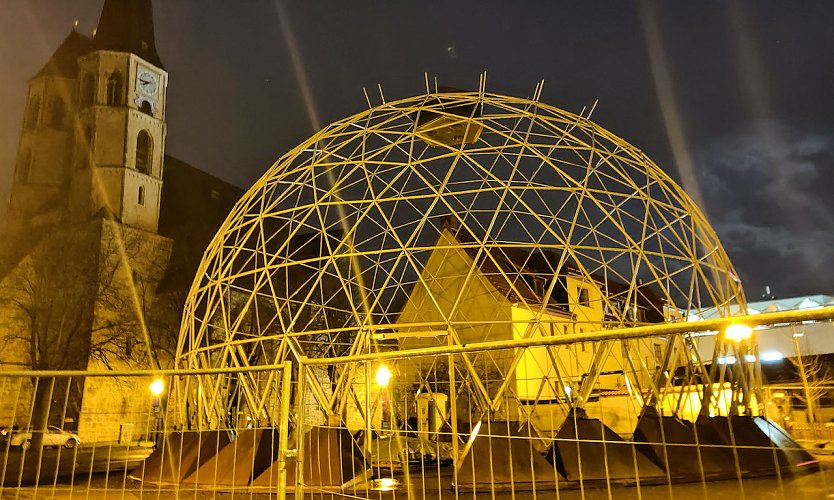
<point x="504" y="300"/>
<point x="782" y="350"/>
<point x="95" y="195"/>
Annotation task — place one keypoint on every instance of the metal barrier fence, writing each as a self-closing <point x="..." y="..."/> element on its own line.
<point x="823" y="432"/>
<point x="414" y="427"/>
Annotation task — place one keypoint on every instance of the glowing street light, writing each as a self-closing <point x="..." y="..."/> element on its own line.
<point x="738" y="332"/>
<point x="383" y="376"/>
<point x="157" y="387"/>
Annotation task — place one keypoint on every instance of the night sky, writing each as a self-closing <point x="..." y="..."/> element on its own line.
<point x="735" y="99"/>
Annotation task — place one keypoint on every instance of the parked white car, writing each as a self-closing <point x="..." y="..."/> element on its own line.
<point x="53" y="437"/>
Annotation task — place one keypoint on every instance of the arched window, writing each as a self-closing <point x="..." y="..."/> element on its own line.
<point x="86" y="149"/>
<point x="114" y="89"/>
<point x="88" y="90"/>
<point x="24" y="166"/>
<point x="56" y="113"/>
<point x="88" y="137"/>
<point x="33" y="111"/>
<point x="144" y="152"/>
<point x="146" y="108"/>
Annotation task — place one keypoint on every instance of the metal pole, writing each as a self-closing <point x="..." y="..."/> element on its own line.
<point x="299" y="432"/>
<point x="284" y="428"/>
<point x="660" y="329"/>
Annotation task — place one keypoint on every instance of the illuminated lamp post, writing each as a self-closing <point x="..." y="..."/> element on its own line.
<point x="157" y="387"/>
<point x="383" y="378"/>
<point x="740" y="334"/>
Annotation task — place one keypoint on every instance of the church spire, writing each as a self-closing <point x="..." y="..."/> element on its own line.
<point x="127" y="26"/>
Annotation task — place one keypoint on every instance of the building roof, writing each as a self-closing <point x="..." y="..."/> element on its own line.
<point x="127" y="26"/>
<point x="64" y="61"/>
<point x="193" y="206"/>
<point x="773" y="305"/>
<point x="513" y="271"/>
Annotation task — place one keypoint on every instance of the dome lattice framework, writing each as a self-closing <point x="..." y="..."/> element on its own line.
<point x="416" y="219"/>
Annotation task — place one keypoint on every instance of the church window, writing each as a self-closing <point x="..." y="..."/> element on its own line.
<point x="88" y="91"/>
<point x="23" y="167"/>
<point x="32" y="112"/>
<point x="86" y="148"/>
<point x="141" y="197"/>
<point x="56" y="113"/>
<point x="144" y="152"/>
<point x="146" y="108"/>
<point x="114" y="89"/>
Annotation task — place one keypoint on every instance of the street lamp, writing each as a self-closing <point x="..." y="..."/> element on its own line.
<point x="383" y="376"/>
<point x="738" y="332"/>
<point x="157" y="387"/>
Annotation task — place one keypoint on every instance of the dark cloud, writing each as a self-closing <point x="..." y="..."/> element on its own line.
<point x="768" y="190"/>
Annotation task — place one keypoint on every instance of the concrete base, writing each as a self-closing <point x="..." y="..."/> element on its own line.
<point x="761" y="446"/>
<point x="678" y="447"/>
<point x="587" y="450"/>
<point x="503" y="456"/>
<point x="237" y="463"/>
<point x="180" y="454"/>
<point x="331" y="459"/>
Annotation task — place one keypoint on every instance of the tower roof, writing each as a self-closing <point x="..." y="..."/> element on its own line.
<point x="127" y="26"/>
<point x="64" y="62"/>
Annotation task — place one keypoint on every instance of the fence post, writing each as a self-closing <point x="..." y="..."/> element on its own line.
<point x="299" y="432"/>
<point x="284" y="428"/>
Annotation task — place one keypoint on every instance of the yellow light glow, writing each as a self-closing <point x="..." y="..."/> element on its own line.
<point x="383" y="376"/>
<point x="157" y="387"/>
<point x="474" y="433"/>
<point x="738" y="332"/>
<point x="386" y="484"/>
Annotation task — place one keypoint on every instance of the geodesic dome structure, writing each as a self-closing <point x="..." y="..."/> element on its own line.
<point x="431" y="214"/>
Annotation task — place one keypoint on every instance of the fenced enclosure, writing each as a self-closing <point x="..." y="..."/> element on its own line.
<point x="416" y="426"/>
<point x="454" y="295"/>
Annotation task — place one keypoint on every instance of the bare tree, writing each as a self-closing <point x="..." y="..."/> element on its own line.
<point x="816" y="377"/>
<point x="80" y="296"/>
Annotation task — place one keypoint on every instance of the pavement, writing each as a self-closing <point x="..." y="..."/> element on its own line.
<point x="21" y="467"/>
<point x="116" y="485"/>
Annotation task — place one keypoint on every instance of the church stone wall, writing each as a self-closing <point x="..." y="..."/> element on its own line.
<point x="116" y="409"/>
<point x="108" y="124"/>
<point x="133" y="262"/>
<point x="92" y="149"/>
<point x="141" y="210"/>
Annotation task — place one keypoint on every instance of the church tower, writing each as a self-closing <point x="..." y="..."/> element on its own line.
<point x="91" y="236"/>
<point x="120" y="130"/>
<point x="93" y="135"/>
<point x="47" y="140"/>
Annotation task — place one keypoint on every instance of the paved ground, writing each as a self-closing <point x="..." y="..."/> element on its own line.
<point x="18" y="467"/>
<point x="815" y="486"/>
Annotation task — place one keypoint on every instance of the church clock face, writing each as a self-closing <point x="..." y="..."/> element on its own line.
<point x="147" y="87"/>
